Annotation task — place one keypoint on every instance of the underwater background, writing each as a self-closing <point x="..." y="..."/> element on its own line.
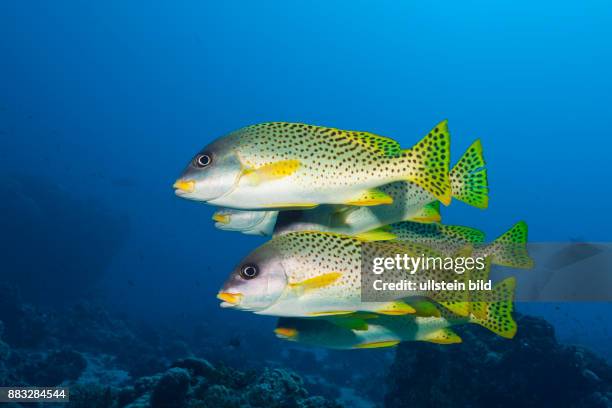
<point x="108" y="278"/>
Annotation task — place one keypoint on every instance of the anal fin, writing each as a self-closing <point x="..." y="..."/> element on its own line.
<point x="330" y="313"/>
<point x="428" y="214"/>
<point x="349" y="322"/>
<point x="425" y="308"/>
<point x="371" y="197"/>
<point x="461" y="308"/>
<point x="378" y="234"/>
<point x="443" y="336"/>
<point x="396" y="309"/>
<point x="378" y="344"/>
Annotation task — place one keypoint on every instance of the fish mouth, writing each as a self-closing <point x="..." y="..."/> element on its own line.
<point x="184" y="186"/>
<point x="229" y="299"/>
<point x="221" y="218"/>
<point x="286" y="333"/>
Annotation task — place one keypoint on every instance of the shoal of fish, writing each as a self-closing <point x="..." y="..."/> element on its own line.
<point x="331" y="200"/>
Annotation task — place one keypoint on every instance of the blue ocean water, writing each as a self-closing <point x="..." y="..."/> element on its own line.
<point x="103" y="103"/>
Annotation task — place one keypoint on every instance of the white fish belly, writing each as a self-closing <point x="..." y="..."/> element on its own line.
<point x="283" y="193"/>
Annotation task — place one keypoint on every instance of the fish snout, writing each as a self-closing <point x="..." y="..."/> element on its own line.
<point x="221" y="218"/>
<point x="184" y="186"/>
<point x="229" y="299"/>
<point x="285" y="332"/>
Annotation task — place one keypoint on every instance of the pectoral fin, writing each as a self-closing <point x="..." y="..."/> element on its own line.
<point x="317" y="282"/>
<point x="271" y="171"/>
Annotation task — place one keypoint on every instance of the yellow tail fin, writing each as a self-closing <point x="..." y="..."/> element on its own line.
<point x="468" y="178"/>
<point x="510" y="248"/>
<point x="493" y="310"/>
<point x="428" y="163"/>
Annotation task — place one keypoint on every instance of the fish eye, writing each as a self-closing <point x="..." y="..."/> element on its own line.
<point x="249" y="271"/>
<point x="203" y="160"/>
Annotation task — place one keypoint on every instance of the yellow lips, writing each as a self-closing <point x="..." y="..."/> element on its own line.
<point x="187" y="186"/>
<point x="223" y="219"/>
<point x="232" y="298"/>
<point x="285" y="332"/>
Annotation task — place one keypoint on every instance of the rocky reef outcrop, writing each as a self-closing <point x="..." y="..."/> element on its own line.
<point x="108" y="363"/>
<point x="192" y="382"/>
<point x="531" y="370"/>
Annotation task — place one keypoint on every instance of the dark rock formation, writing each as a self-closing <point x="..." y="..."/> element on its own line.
<point x="531" y="370"/>
<point x="194" y="383"/>
<point x="109" y="364"/>
<point x="171" y="389"/>
<point x="84" y="327"/>
<point x="56" y="367"/>
<point x="24" y="326"/>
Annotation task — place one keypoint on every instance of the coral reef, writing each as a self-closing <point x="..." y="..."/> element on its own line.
<point x="109" y="364"/>
<point x="54" y="367"/>
<point x="192" y="383"/>
<point x="84" y="327"/>
<point x="532" y="370"/>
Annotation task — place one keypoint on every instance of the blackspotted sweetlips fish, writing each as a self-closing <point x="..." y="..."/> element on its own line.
<point x="282" y="165"/>
<point x="308" y="273"/>
<point x="430" y="323"/>
<point x="410" y="203"/>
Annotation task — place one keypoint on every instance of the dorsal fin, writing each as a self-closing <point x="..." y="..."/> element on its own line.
<point x="378" y="144"/>
<point x="471" y="235"/>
